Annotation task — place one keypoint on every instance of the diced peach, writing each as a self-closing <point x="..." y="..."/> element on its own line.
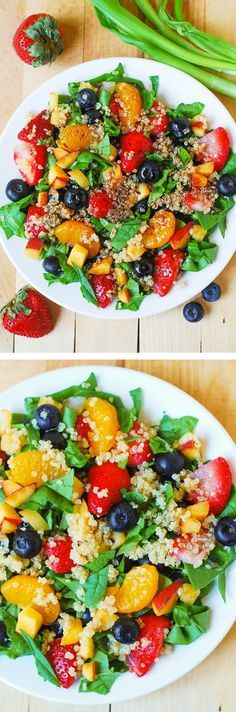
<point x="42" y="198"/>
<point x="78" y="487"/>
<point x="34" y="248"/>
<point x="57" y="178"/>
<point x="198" y="233"/>
<point x="142" y="191"/>
<point x="165" y="600"/>
<point x="7" y="512"/>
<point x="35" y="520"/>
<point x="205" y="169"/>
<point x="124" y="295"/>
<point x="190" y="526"/>
<point x="190" y="448"/>
<point x="103" y="266"/>
<point x="8" y="527"/>
<point x="67" y="160"/>
<point x="199" y="511"/>
<point x="198" y="180"/>
<point x="59" y="153"/>
<point x="30" y="621"/>
<point x="89" y="671"/>
<point x="112" y="175"/>
<point x="53" y="101"/>
<point x="134" y="252"/>
<point x="160" y="230"/>
<point x="87" y="648"/>
<point x="6" y="418"/>
<point x="77" y="256"/>
<point x="79" y="177"/>
<point x="113" y="153"/>
<point x="72" y="631"/>
<point x="21" y="495"/>
<point x="121" y="276"/>
<point x="118" y="539"/>
<point x="9" y="486"/>
<point x="23" y="590"/>
<point x="73" y="232"/>
<point x="189" y="594"/>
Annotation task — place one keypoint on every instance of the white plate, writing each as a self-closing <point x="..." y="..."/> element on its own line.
<point x="175" y="86"/>
<point x="158" y="396"/>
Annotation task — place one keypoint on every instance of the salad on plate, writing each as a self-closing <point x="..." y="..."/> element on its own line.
<point x="119" y="191"/>
<point x="112" y="531"/>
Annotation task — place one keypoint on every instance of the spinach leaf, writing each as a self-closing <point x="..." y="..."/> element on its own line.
<point x="69" y="417"/>
<point x="103" y="147"/>
<point x="184" y="155"/>
<point x="46" y="494"/>
<point x="65" y="585"/>
<point x="190" y="623"/>
<point x="64" y="485"/>
<point x="230" y="508"/>
<point x="102" y="683"/>
<point x="222" y="585"/>
<point x="95" y="587"/>
<point x="17" y="647"/>
<point x="133" y="496"/>
<point x="33" y="437"/>
<point x="128" y="229"/>
<point x="148" y="97"/>
<point x="159" y="187"/>
<point x="74" y="456"/>
<point x="12" y="217"/>
<point x="86" y="287"/>
<point x="42" y="664"/>
<point x="205" y="574"/>
<point x="210" y="220"/>
<point x="188" y="110"/>
<point x="110" y="127"/>
<point x="172" y="429"/>
<point x="136" y="297"/>
<point x="101" y="561"/>
<point x="134" y="536"/>
<point x="137" y="398"/>
<point x="168" y="493"/>
<point x="199" y="255"/>
<point x="230" y="166"/>
<point x="158" y="445"/>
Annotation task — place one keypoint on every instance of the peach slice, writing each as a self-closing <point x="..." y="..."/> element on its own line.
<point x="165" y="600"/>
<point x="9" y="486"/>
<point x="57" y="178"/>
<point x="130" y="104"/>
<point x="75" y="137"/>
<point x="32" y="465"/>
<point x="21" y="495"/>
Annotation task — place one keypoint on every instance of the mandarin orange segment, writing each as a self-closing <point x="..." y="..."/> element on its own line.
<point x="103" y="416"/>
<point x="160" y="230"/>
<point x="76" y="137"/>
<point x="130" y="102"/>
<point x="22" y="590"/>
<point x="138" y="589"/>
<point x="37" y="466"/>
<point x="73" y="232"/>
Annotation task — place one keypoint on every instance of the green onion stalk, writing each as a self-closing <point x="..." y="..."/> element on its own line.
<point x="113" y="16"/>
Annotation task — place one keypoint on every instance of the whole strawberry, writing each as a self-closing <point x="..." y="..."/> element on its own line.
<point x="27" y="314"/>
<point x="38" y="40"/>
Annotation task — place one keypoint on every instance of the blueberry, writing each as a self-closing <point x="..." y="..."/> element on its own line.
<point x="212" y="292"/>
<point x="149" y="171"/>
<point x="173" y="574"/>
<point x="75" y="197"/>
<point x="143" y="267"/>
<point x="4" y="640"/>
<point x="56" y="627"/>
<point x="168" y="464"/>
<point x="141" y="207"/>
<point x="227" y="185"/>
<point x="225" y="531"/>
<point x="182" y="216"/>
<point x="17" y="189"/>
<point x="87" y="98"/>
<point x="122" y="516"/>
<point x="57" y="439"/>
<point x="180" y="129"/>
<point x="193" y="311"/>
<point x="142" y="560"/>
<point x="26" y="542"/>
<point x="126" y="630"/>
<point x="47" y="417"/>
<point x="93" y="115"/>
<point x="52" y="265"/>
<point x="86" y="617"/>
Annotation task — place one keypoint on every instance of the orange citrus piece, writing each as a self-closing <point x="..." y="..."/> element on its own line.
<point x="76" y="137"/>
<point x="31" y="467"/>
<point x="138" y="589"/>
<point x="23" y="590"/>
<point x="160" y="230"/>
<point x="130" y="104"/>
<point x="104" y="416"/>
<point x="73" y="232"/>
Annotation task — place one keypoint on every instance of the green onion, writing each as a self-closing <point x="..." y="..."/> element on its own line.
<point x="132" y="30"/>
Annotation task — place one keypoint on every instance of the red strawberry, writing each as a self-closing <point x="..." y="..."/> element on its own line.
<point x="215" y="480"/>
<point x="139" y="450"/>
<point x="104" y="287"/>
<point x="58" y="549"/>
<point x="191" y="548"/>
<point x="199" y="199"/>
<point x="62" y="663"/>
<point x="153" y="632"/>
<point x="159" y="121"/>
<point x="27" y="314"/>
<point x="167" y="267"/>
<point x="115" y="107"/>
<point x="99" y="204"/>
<point x="33" y="224"/>
<point x="214" y="146"/>
<point x="108" y="477"/>
<point x="3" y="457"/>
<point x="134" y="146"/>
<point x="39" y="127"/>
<point x="31" y="162"/>
<point x="38" y="40"/>
<point x="82" y="427"/>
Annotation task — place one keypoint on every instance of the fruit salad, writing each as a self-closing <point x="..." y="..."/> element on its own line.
<point x="112" y="531"/>
<point x="118" y="191"/>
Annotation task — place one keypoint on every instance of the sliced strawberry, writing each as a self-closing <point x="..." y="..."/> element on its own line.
<point x="167" y="267"/>
<point x="150" y="641"/>
<point x="134" y="146"/>
<point x="31" y="162"/>
<point x="104" y="287"/>
<point x="38" y="128"/>
<point x="64" y="661"/>
<point x="58" y="550"/>
<point x="215" y="480"/>
<point x="110" y="478"/>
<point x="159" y="121"/>
<point x="33" y="224"/>
<point x="215" y="146"/>
<point x="82" y="427"/>
<point x="191" y="548"/>
<point x="115" y="106"/>
<point x="139" y="450"/>
<point x="200" y="199"/>
<point x="99" y="204"/>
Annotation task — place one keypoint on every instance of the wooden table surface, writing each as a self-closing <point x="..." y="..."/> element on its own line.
<point x="211" y="686"/>
<point x="84" y="40"/>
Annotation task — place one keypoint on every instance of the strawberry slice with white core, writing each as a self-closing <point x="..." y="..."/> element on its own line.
<point x="215" y="146"/>
<point x="215" y="480"/>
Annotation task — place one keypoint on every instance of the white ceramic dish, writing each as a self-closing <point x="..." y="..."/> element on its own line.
<point x="158" y="396"/>
<point x="175" y="86"/>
